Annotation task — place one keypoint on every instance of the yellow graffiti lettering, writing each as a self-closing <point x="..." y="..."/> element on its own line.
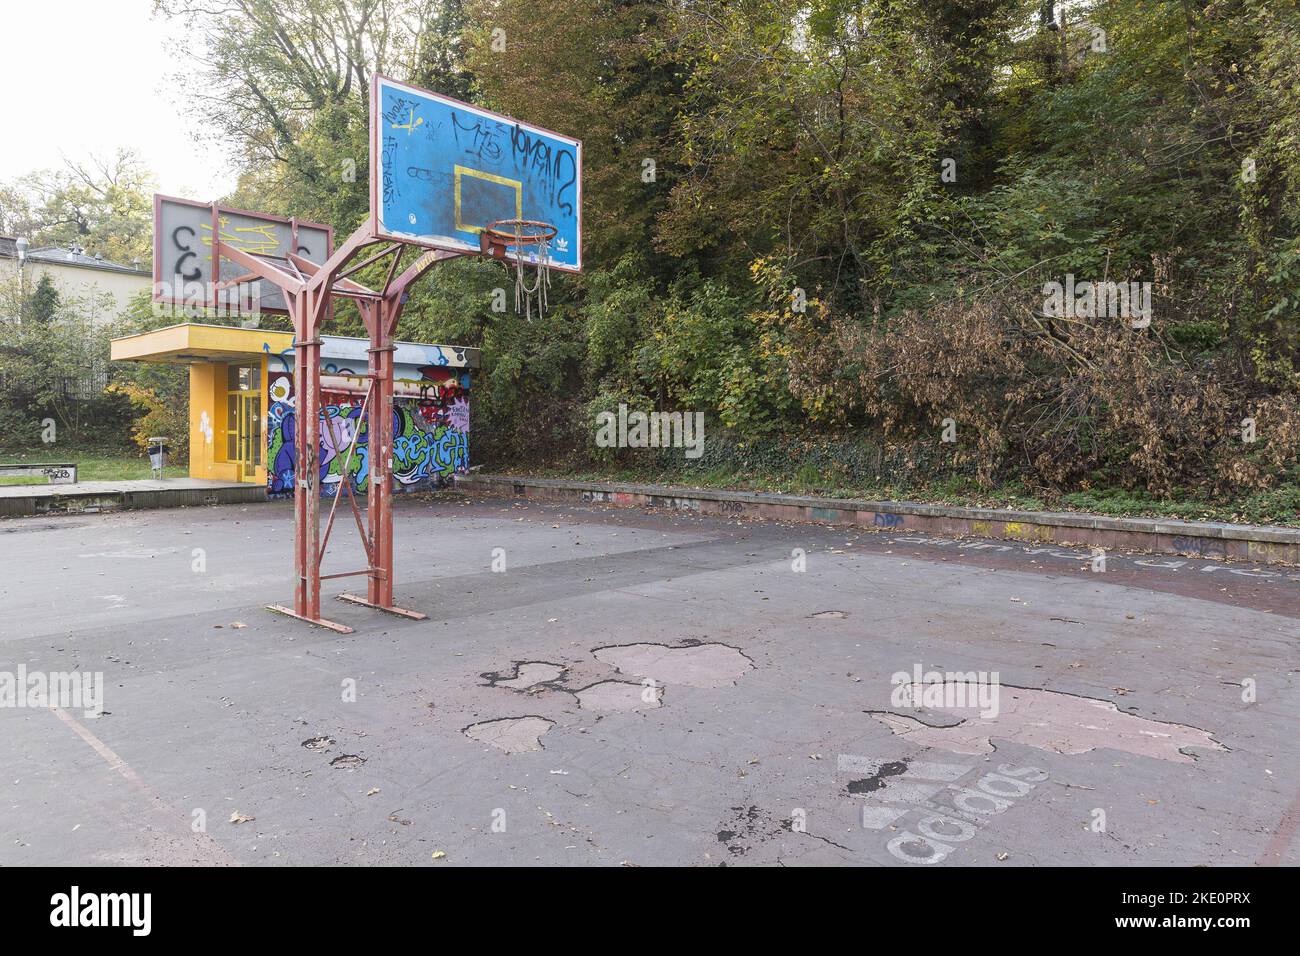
<point x="411" y="124"/>
<point x="259" y="240"/>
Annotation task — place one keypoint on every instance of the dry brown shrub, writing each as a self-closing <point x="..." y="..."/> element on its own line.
<point x="1061" y="401"/>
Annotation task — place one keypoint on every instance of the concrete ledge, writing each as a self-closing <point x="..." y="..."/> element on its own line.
<point x="1259" y="544"/>
<point x="99" y="496"/>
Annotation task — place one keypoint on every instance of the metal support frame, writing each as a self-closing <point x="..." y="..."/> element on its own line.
<point x="308" y="291"/>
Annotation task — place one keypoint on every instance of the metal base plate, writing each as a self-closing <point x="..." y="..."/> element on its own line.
<point x="399" y="611"/>
<point x="319" y="622"/>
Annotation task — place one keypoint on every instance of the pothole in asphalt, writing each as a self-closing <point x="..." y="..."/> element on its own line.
<point x="318" y="743"/>
<point x="877" y="780"/>
<point x="695" y="665"/>
<point x="514" y="735"/>
<point x="1049" y="720"/>
<point x="746" y="826"/>
<point x="829" y="615"/>
<point x="617" y="695"/>
<point x="527" y="674"/>
<point x="347" y="761"/>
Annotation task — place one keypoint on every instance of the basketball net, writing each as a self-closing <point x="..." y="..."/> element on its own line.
<point x="525" y="294"/>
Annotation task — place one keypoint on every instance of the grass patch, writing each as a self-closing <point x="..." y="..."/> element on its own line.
<point x="96" y="464"/>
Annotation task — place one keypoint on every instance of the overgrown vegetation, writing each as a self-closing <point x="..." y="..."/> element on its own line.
<point x="58" y="388"/>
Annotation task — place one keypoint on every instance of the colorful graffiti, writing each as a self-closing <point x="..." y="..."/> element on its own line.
<point x="430" y="435"/>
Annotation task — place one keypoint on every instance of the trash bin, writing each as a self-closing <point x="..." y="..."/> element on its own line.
<point x="158" y="455"/>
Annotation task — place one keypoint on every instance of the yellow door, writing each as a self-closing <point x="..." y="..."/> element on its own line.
<point x="250" y="435"/>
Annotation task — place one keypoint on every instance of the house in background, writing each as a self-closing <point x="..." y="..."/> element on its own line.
<point x="75" y="275"/>
<point x="242" y="401"/>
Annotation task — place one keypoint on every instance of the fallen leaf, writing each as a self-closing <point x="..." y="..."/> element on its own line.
<point x="439" y="855"/>
<point x="238" y="817"/>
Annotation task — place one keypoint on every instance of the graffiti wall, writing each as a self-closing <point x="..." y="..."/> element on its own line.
<point x="430" y="430"/>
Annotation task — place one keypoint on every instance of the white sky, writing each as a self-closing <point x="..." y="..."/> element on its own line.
<point x="83" y="77"/>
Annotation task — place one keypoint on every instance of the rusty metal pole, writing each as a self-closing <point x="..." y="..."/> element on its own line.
<point x="381" y="319"/>
<point x="307" y="369"/>
<point x="380" y="590"/>
<point x="306" y="308"/>
<point x="301" y="485"/>
<point x="310" y="298"/>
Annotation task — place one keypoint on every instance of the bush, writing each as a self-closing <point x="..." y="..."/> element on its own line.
<point x="161" y="417"/>
<point x="21" y="430"/>
<point x="1061" y="402"/>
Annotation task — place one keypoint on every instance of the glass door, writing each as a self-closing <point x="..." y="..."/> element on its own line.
<point x="249" y="435"/>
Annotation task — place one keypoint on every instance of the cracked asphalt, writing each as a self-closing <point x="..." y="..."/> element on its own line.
<point x="752" y="735"/>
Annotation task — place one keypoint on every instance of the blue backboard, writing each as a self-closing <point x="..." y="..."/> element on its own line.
<point x="442" y="170"/>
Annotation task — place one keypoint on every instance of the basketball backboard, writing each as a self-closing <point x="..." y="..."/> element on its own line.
<point x="442" y="170"/>
<point x="185" y="257"/>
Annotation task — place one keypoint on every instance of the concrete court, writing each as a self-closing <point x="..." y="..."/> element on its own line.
<point x="762" y="742"/>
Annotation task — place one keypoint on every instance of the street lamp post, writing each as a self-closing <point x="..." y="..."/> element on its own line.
<point x="21" y="244"/>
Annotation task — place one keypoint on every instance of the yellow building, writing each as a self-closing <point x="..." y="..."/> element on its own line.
<point x="242" y="405"/>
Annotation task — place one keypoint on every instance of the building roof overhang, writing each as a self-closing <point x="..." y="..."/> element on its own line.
<point x="192" y="342"/>
<point x="195" y="342"/>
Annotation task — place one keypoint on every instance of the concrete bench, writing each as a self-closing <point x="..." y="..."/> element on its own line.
<point x="59" y="474"/>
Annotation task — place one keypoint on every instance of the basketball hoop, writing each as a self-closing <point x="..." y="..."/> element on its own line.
<point x="502" y="234"/>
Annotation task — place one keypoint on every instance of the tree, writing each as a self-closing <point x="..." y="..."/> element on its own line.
<point x="57" y="366"/>
<point x="44" y="301"/>
<point x="808" y="133"/>
<point x="290" y="84"/>
<point x="105" y="206"/>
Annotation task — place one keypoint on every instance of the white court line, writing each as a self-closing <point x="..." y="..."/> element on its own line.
<point x="210" y="851"/>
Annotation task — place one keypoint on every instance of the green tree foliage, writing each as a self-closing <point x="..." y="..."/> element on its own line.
<point x="814" y="218"/>
<point x="104" y="206"/>
<point x="54" y="364"/>
<point x="44" y="301"/>
<point x="289" y="83"/>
